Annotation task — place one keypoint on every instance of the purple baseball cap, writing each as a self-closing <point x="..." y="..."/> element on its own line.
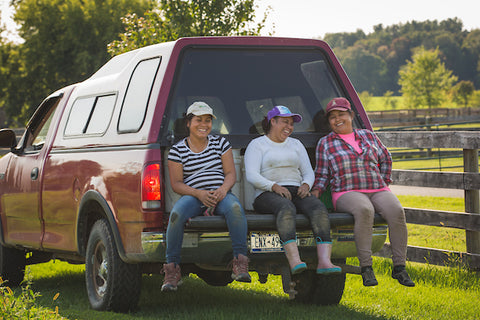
<point x="282" y="111"/>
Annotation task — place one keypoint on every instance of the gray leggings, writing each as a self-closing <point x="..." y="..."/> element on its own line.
<point x="363" y="206"/>
<point x="286" y="210"/>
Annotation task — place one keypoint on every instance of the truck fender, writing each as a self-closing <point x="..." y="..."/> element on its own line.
<point x="93" y="207"/>
<point x="2" y="241"/>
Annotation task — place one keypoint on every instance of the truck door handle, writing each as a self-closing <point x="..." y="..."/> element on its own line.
<point x="34" y="173"/>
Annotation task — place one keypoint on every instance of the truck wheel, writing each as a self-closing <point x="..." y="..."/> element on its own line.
<point x="12" y="266"/>
<point x="215" y="278"/>
<point x="329" y="289"/>
<point x="318" y="289"/>
<point x="111" y="283"/>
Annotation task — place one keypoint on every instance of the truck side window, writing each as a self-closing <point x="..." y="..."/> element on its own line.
<point x="90" y="115"/>
<point x="137" y="96"/>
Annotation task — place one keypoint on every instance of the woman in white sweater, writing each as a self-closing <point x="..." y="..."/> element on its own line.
<point x="279" y="169"/>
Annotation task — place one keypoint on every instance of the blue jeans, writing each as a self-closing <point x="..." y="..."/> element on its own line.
<point x="286" y="210"/>
<point x="188" y="207"/>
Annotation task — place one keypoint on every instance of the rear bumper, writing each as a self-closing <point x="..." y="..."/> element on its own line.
<point x="213" y="249"/>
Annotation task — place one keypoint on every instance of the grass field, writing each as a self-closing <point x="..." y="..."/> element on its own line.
<point x="380" y="103"/>
<point x="440" y="293"/>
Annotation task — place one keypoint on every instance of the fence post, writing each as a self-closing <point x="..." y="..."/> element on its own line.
<point x="472" y="201"/>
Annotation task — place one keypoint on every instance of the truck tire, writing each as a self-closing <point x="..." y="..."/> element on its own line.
<point x="329" y="290"/>
<point x="111" y="283"/>
<point x="215" y="278"/>
<point x="318" y="289"/>
<point x="12" y="266"/>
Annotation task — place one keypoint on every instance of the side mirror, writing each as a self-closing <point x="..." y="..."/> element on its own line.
<point x="8" y="139"/>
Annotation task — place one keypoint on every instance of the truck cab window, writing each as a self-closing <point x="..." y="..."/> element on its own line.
<point x="37" y="129"/>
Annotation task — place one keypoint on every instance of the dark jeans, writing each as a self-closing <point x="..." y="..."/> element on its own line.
<point x="285" y="211"/>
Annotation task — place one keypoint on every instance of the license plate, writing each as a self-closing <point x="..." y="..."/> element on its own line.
<point x="265" y="242"/>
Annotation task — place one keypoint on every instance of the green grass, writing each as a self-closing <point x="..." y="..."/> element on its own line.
<point x="435" y="237"/>
<point x="380" y="104"/>
<point x="441" y="293"/>
<point x="444" y="164"/>
<point x="428" y="236"/>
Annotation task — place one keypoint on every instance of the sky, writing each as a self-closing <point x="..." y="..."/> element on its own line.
<point x="315" y="18"/>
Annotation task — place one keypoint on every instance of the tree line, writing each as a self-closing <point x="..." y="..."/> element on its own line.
<point x="64" y="42"/>
<point x="373" y="61"/>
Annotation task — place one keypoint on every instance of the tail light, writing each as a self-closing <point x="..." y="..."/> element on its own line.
<point x="151" y="187"/>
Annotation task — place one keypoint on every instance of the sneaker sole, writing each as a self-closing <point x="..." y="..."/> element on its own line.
<point x="241" y="278"/>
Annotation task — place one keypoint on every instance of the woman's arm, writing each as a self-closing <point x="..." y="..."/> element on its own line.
<point x="384" y="160"/>
<point x="321" y="169"/>
<point x="308" y="176"/>
<point x="230" y="176"/>
<point x="253" y="164"/>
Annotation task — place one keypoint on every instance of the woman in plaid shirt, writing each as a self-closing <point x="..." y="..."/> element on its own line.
<point x="357" y="167"/>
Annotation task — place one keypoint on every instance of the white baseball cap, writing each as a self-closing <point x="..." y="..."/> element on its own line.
<point x="200" y="108"/>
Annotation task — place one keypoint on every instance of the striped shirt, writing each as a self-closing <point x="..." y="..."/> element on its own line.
<point x="201" y="170"/>
<point x="344" y="169"/>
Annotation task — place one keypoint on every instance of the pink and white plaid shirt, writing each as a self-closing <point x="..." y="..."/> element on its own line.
<point x="344" y="169"/>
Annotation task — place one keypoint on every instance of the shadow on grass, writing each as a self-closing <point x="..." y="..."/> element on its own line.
<point x="455" y="275"/>
<point x="193" y="300"/>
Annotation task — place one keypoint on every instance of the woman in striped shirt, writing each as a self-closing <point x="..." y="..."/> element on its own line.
<point x="202" y="170"/>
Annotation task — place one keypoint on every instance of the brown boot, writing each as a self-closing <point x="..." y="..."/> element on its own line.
<point x="172" y="277"/>
<point x="240" y="269"/>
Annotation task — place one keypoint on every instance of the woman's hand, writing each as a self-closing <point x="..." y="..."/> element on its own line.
<point x="282" y="191"/>
<point x="219" y="194"/>
<point x="303" y="191"/>
<point x="316" y="193"/>
<point x="207" y="198"/>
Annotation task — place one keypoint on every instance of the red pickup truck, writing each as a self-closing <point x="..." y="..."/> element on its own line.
<point x="87" y="182"/>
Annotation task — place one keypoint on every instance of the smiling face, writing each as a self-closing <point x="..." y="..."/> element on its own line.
<point x="281" y="128"/>
<point x="200" y="126"/>
<point x="340" y="121"/>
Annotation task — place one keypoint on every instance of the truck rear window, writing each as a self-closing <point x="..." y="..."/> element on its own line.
<point x="241" y="85"/>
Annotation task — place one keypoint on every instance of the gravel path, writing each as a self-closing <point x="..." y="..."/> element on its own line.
<point x="430" y="192"/>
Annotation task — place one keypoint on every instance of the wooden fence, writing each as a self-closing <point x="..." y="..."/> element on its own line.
<point x="469" y="180"/>
<point x="423" y="117"/>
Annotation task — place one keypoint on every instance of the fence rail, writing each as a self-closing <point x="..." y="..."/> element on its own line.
<point x="468" y="181"/>
<point x="423" y="117"/>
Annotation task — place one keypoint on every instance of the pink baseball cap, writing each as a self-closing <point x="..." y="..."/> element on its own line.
<point x="282" y="111"/>
<point x="340" y="104"/>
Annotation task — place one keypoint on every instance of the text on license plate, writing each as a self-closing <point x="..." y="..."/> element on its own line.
<point x="265" y="242"/>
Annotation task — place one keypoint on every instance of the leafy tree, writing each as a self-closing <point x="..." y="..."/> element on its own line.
<point x="459" y="49"/>
<point x="366" y="70"/>
<point x="424" y="80"/>
<point x="64" y="42"/>
<point x="390" y="101"/>
<point x="365" y="98"/>
<point x="471" y="45"/>
<point x="172" y="19"/>
<point x="462" y="92"/>
<point x="343" y="40"/>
